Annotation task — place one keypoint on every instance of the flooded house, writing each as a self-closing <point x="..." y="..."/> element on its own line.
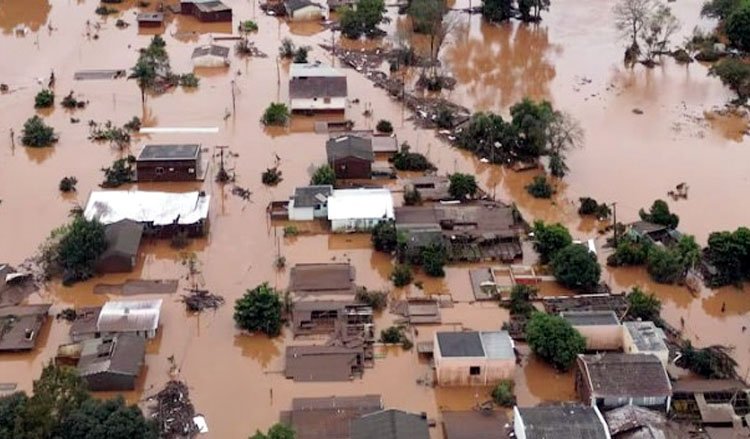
<point x="328" y="417"/>
<point x="348" y="318"/>
<point x="123" y="240"/>
<point x="611" y="380"/>
<point x="316" y="87"/>
<point x="309" y="203"/>
<point x="715" y="403"/>
<point x="350" y="156"/>
<point x="111" y="363"/>
<point x="20" y="326"/>
<point x="390" y="424"/>
<point x="473" y="358"/>
<point x="645" y="338"/>
<point x="601" y="329"/>
<point x="210" y="55"/>
<point x="209" y="11"/>
<point x="322" y="279"/>
<point x="359" y="210"/>
<point x="385" y="144"/>
<point x="14" y="285"/>
<point x="324" y="363"/>
<point x="418" y="311"/>
<point x="430" y="187"/>
<point x="559" y="422"/>
<point x="334" y="5"/>
<point x="136" y="317"/>
<point x="150" y="19"/>
<point x="172" y="162"/>
<point x="302" y="10"/>
<point x="163" y="214"/>
<point x="633" y="422"/>
<point x="653" y="233"/>
<point x="475" y="424"/>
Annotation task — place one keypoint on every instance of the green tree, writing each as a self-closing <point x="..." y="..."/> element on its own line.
<point x="392" y="335"/>
<point x="729" y="253"/>
<point x="462" y="186"/>
<point x="550" y="239"/>
<point x="554" y="340"/>
<point x="286" y="50"/>
<point x="259" y="310"/>
<point x="324" y="175"/>
<point x="44" y="99"/>
<point x="735" y="74"/>
<point x="111" y="419"/>
<point x="384" y="126"/>
<point x="384" y="237"/>
<point x="540" y="187"/>
<point x="153" y="63"/>
<point x="433" y="260"/>
<point x="520" y="299"/>
<point x="503" y="394"/>
<point x="496" y="11"/>
<point x="276" y="113"/>
<point x="36" y="133"/>
<point x="489" y="136"/>
<point x="363" y="20"/>
<point x="664" y="265"/>
<point x="277" y="431"/>
<point x="401" y="275"/>
<point x="532" y="120"/>
<point x="720" y="9"/>
<point x="576" y="267"/>
<point x="405" y="160"/>
<point x="300" y="55"/>
<point x="12" y="409"/>
<point x="644" y="306"/>
<point x="531" y="10"/>
<point x="629" y="252"/>
<point x="737" y="26"/>
<point x="80" y="247"/>
<point x="659" y="214"/>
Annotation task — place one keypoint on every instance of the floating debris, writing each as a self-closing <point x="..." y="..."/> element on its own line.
<point x="242" y="192"/>
<point x="173" y="412"/>
<point x="200" y="300"/>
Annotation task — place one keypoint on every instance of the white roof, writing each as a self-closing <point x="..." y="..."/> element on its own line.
<point x="129" y="316"/>
<point x="315" y="70"/>
<point x="159" y="208"/>
<point x="497" y="345"/>
<point x="360" y="204"/>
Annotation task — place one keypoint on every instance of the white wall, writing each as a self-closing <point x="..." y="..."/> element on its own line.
<point x="319" y="104"/>
<point x="351" y="224"/>
<point x="601" y="337"/>
<point x="209" y="61"/>
<point x="307" y="13"/>
<point x="518" y="427"/>
<point x="300" y="213"/>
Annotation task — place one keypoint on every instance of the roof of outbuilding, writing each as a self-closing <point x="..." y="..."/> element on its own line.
<point x="211" y="49"/>
<point x="646" y="336"/>
<point x="562" y="422"/>
<point x="390" y="424"/>
<point x="129" y="316"/>
<point x="460" y="344"/>
<point x="322" y="277"/>
<point x="320" y="363"/>
<point x="590" y="318"/>
<point x="122" y="354"/>
<point x="309" y="196"/>
<point x="625" y="375"/>
<point x="328" y="417"/>
<point x="349" y="146"/>
<point x="362" y="203"/>
<point x="123" y="238"/>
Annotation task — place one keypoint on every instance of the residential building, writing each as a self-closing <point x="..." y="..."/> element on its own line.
<point x="169" y="163"/>
<point x="559" y="422"/>
<point x="356" y="210"/>
<point x="350" y="157"/>
<point x="344" y="317"/>
<point x="475" y="424"/>
<point x="309" y="202"/>
<point x="390" y="424"/>
<point x="207" y="10"/>
<point x="324" y="363"/>
<point x="315" y="87"/>
<point x="645" y="338"/>
<point x="430" y="187"/>
<point x="20" y="326"/>
<point x="611" y="380"/>
<point x="138" y="317"/>
<point x="328" y="417"/>
<point x="110" y="363"/>
<point x="302" y="10"/>
<point x="633" y="422"/>
<point x="210" y="55"/>
<point x="123" y="241"/>
<point x="322" y="279"/>
<point x="15" y="286"/>
<point x="601" y="329"/>
<point x="334" y="5"/>
<point x="386" y="144"/>
<point x="473" y="358"/>
<point x="150" y="19"/>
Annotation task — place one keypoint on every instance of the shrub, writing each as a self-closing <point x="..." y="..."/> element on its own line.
<point x="462" y="186"/>
<point x="659" y="214"/>
<point x="121" y="172"/>
<point x="664" y="265"/>
<point x="589" y="206"/>
<point x="503" y="394"/>
<point x="248" y="26"/>
<point x="277" y="114"/>
<point x="576" y="267"/>
<point x="412" y="197"/>
<point x="404" y="160"/>
<point x="520" y="300"/>
<point x="554" y="340"/>
<point x="384" y="126"/>
<point x="549" y="239"/>
<point x="36" y="133"/>
<point x="70" y="102"/>
<point x="375" y="299"/>
<point x="323" y="175"/>
<point x="189" y="80"/>
<point x="629" y="252"/>
<point x="643" y="306"/>
<point x="68" y="184"/>
<point x="384" y="237"/>
<point x="300" y="55"/>
<point x="540" y="187"/>
<point x="271" y="176"/>
<point x="259" y="310"/>
<point x="433" y="260"/>
<point x="44" y="99"/>
<point x="290" y="230"/>
<point x="402" y="275"/>
<point x="444" y="117"/>
<point x="286" y="50"/>
<point x="391" y="335"/>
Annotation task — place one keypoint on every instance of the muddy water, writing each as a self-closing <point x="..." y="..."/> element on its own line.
<point x="231" y="375"/>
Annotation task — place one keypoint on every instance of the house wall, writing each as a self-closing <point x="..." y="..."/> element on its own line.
<point x="116" y="264"/>
<point x="300" y="213"/>
<point x="307" y="13"/>
<point x="107" y="381"/>
<point x="518" y="428"/>
<point x="149" y="23"/>
<point x="209" y="61"/>
<point x="601" y="337"/>
<point x="456" y="371"/>
<point x="175" y="170"/>
<point x="319" y="104"/>
<point x="351" y="167"/>
<point x="347" y="225"/>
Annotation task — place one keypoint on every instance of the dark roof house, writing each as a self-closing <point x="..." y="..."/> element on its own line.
<point x="390" y="424"/>
<point x="111" y="363"/>
<point x="123" y="240"/>
<point x="210" y="55"/>
<point x="169" y="162"/>
<point x="475" y="424"/>
<point x="20" y="326"/>
<point x="559" y="422"/>
<point x="150" y="19"/>
<point x="310" y="196"/>
<point x="335" y="278"/>
<point x="328" y="418"/>
<point x="316" y="87"/>
<point x="323" y="363"/>
<point x="350" y="156"/>
<point x="207" y="10"/>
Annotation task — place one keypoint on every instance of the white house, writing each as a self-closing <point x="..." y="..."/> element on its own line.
<point x="310" y="202"/>
<point x="210" y="55"/>
<point x="139" y="317"/>
<point x="559" y="422"/>
<point x="473" y="358"/>
<point x="359" y="209"/>
<point x="315" y="87"/>
<point x="644" y="338"/>
<point x="303" y="10"/>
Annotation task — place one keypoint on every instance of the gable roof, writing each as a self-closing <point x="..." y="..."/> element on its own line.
<point x="122" y="355"/>
<point x="294" y="5"/>
<point x="310" y="81"/>
<point x="349" y="146"/>
<point x="310" y="196"/>
<point x="625" y="375"/>
<point x="322" y="277"/>
<point x="129" y="316"/>
<point x="211" y="49"/>
<point x="590" y="318"/>
<point x="328" y="417"/>
<point x="321" y="363"/>
<point x="20" y="325"/>
<point x="159" y="208"/>
<point x="562" y="422"/>
<point x="390" y="424"/>
<point x="473" y="424"/>
<point x="123" y="238"/>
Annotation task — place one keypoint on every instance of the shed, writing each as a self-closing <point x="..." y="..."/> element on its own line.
<point x="644" y="338"/>
<point x="207" y="10"/>
<point x="559" y="422"/>
<point x="139" y="317"/>
<point x="473" y="358"/>
<point x="112" y="363"/>
<point x="210" y="55"/>
<point x="319" y="279"/>
<point x="302" y="10"/>
<point x="150" y="19"/>
<point x="169" y="162"/>
<point x="20" y="326"/>
<point x="601" y="329"/>
<point x="359" y="209"/>
<point x="328" y="417"/>
<point x="431" y="187"/>
<point x="350" y="156"/>
<point x="123" y="240"/>
<point x="475" y="424"/>
<point x="310" y="202"/>
<point x="323" y="363"/>
<point x="315" y="87"/>
<point x="390" y="424"/>
<point x="612" y="380"/>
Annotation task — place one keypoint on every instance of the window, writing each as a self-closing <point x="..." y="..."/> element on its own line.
<point x="327" y="100"/>
<point x="474" y="370"/>
<point x="171" y="169"/>
<point x="159" y="170"/>
<point x="191" y="170"/>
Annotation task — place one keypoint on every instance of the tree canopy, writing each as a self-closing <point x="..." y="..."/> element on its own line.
<point x="36" y="133"/>
<point x="323" y="175"/>
<point x="737" y="26"/>
<point x="277" y="431"/>
<point x="576" y="267"/>
<point x="521" y="296"/>
<point x="384" y="237"/>
<point x="259" y="310"/>
<point x="80" y="247"/>
<point x="363" y="20"/>
<point x="644" y="306"/>
<point x="462" y="186"/>
<point x="729" y="253"/>
<point x="550" y="239"/>
<point x="659" y="214"/>
<point x="735" y="74"/>
<point x="496" y="11"/>
<point x="554" y="340"/>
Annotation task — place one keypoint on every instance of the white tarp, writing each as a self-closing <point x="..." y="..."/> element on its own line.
<point x="159" y="208"/>
<point x="347" y="204"/>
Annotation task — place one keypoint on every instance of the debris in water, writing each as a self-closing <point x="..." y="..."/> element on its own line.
<point x="241" y="192"/>
<point x="174" y="412"/>
<point x="199" y="300"/>
<point x="637" y="111"/>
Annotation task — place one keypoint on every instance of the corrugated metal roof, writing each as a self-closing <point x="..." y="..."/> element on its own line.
<point x="562" y="422"/>
<point x="129" y="316"/>
<point x="159" y="208"/>
<point x="646" y="336"/>
<point x="390" y="424"/>
<point x="497" y="345"/>
<point x="360" y="204"/>
<point x="298" y="70"/>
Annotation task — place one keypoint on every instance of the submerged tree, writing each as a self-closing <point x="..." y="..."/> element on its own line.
<point x="363" y="20"/>
<point x="462" y="186"/>
<point x="642" y="305"/>
<point x="36" y="133"/>
<point x="277" y="431"/>
<point x="735" y="74"/>
<point x="659" y="213"/>
<point x="630" y="17"/>
<point x="531" y="10"/>
<point x="152" y="64"/>
<point x="496" y="11"/>
<point x="259" y="310"/>
<point x="563" y="134"/>
<point x="737" y="26"/>
<point x="554" y="340"/>
<point x="324" y="175"/>
<point x="658" y="29"/>
<point x="550" y="239"/>
<point x="575" y="267"/>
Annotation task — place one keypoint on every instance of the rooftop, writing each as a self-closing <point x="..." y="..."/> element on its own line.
<point x="329" y="417"/>
<point x="632" y="417"/>
<point x="309" y="196"/>
<point x="20" y="325"/>
<point x="298" y="70"/>
<point x="360" y="203"/>
<point x="646" y="336"/>
<point x="474" y="219"/>
<point x="390" y="424"/>
<point x="620" y="375"/>
<point x="158" y="208"/>
<point x="211" y="6"/>
<point x="309" y="81"/>
<point x="293" y="5"/>
<point x="123" y="238"/>
<point x="151" y="16"/>
<point x="562" y="422"/>
<point x="590" y="318"/>
<point x="349" y="146"/>
<point x="493" y="345"/>
<point x="122" y="354"/>
<point x="336" y="277"/>
<point x="474" y="424"/>
<point x="210" y="49"/>
<point x="129" y="316"/>
<point x="321" y="363"/>
<point x="646" y="227"/>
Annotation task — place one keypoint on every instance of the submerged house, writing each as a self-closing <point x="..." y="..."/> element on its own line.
<point x="559" y="422"/>
<point x="302" y="10"/>
<point x="309" y="202"/>
<point x="123" y="240"/>
<point x="334" y="5"/>
<point x="163" y="214"/>
<point x="169" y="162"/>
<point x="473" y="358"/>
<point x="430" y="187"/>
<point x="207" y="10"/>
<point x="150" y="19"/>
<point x="20" y="326"/>
<point x="348" y="318"/>
<point x="315" y="87"/>
<point x="324" y="363"/>
<point x="601" y="329"/>
<point x="322" y="279"/>
<point x="356" y="210"/>
<point x="328" y="417"/>
<point x="210" y="55"/>
<point x="136" y="317"/>
<point x="645" y="338"/>
<point x="390" y="424"/>
<point x="475" y="424"/>
<point x="110" y="363"/>
<point x="350" y="157"/>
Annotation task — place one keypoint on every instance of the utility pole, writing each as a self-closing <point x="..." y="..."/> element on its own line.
<point x="234" y="107"/>
<point x="614" y="217"/>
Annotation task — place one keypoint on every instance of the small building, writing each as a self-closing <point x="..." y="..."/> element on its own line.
<point x="168" y="163"/>
<point x="310" y="202"/>
<point x="315" y="87"/>
<point x="329" y="417"/>
<point x="322" y="279"/>
<point x="418" y="311"/>
<point x="358" y="210"/>
<point x="210" y="55"/>
<point x="123" y="240"/>
<point x="324" y="363"/>
<point x="15" y="286"/>
<point x="390" y="424"/>
<point x="110" y="363"/>
<point x="475" y="424"/>
<point x="430" y="187"/>
<point x="653" y="233"/>
<point x="163" y="214"/>
<point x="473" y="358"/>
<point x="302" y="10"/>
<point x="334" y="5"/>
<point x="601" y="329"/>
<point x="137" y="317"/>
<point x="350" y="157"/>
<point x="150" y="19"/>
<point x="559" y="422"/>
<point x="633" y="422"/>
<point x="344" y="317"/>
<point x="613" y="380"/>
<point x="710" y="402"/>
<point x="210" y="11"/>
<point x="645" y="338"/>
<point x="20" y="326"/>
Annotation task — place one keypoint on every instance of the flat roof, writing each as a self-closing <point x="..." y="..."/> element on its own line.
<point x="20" y="325"/>
<point x="299" y="70"/>
<point x="562" y="422"/>
<point x="360" y="203"/>
<point x="497" y="345"/>
<point x="169" y="152"/>
<point x="590" y="318"/>
<point x="460" y="344"/>
<point x="473" y="424"/>
<point x="646" y="336"/>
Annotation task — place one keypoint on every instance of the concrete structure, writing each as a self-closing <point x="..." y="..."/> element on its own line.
<point x="168" y="163"/>
<point x="302" y="10"/>
<point x="123" y="240"/>
<point x="613" y="380"/>
<point x="314" y="87"/>
<point x="559" y="422"/>
<point x="309" y="202"/>
<point x="390" y="424"/>
<point x="601" y="329"/>
<point x="359" y="209"/>
<point x="207" y="10"/>
<point x="473" y="358"/>
<point x="348" y="318"/>
<point x="328" y="417"/>
<point x="350" y="157"/>
<point x="150" y="19"/>
<point x="644" y="338"/>
<point x="107" y="363"/>
<point x="210" y="55"/>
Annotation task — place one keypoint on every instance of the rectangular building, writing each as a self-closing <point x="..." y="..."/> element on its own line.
<point x="309" y="202"/>
<point x="559" y="422"/>
<point x="168" y="163"/>
<point x="601" y="329"/>
<point x="315" y="87"/>
<point x="644" y="338"/>
<point x="210" y="11"/>
<point x="473" y="358"/>
<point x="359" y="210"/>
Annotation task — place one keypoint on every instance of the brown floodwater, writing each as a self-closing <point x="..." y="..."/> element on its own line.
<point x="573" y="58"/>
